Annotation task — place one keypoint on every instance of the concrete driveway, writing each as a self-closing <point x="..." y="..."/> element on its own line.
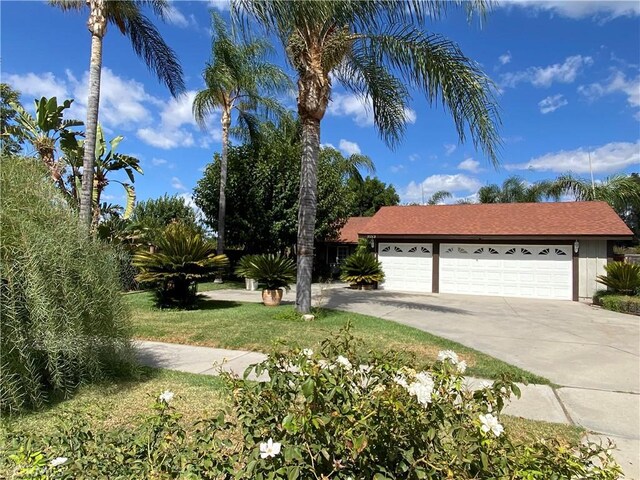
<point x="592" y="354"/>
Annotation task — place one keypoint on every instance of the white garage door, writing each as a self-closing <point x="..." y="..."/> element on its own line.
<point x="533" y="271"/>
<point x="407" y="266"/>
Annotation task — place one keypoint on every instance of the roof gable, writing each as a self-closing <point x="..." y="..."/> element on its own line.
<point x="349" y="232"/>
<point x="499" y="219"/>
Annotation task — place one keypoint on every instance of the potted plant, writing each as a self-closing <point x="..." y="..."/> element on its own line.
<point x="362" y="270"/>
<point x="273" y="273"/>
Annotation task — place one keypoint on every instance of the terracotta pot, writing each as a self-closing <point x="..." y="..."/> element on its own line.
<point x="272" y="298"/>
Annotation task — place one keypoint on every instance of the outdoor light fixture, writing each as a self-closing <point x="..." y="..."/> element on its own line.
<point x="576" y="246"/>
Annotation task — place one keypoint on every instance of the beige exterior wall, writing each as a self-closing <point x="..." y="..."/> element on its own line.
<point x="592" y="259"/>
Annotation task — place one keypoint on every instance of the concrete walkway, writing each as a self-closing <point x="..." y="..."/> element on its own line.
<point x="593" y="355"/>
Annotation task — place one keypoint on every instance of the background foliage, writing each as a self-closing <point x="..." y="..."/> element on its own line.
<point x="63" y="319"/>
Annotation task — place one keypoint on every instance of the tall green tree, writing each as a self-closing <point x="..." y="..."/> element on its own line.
<point x="10" y="142"/>
<point x="438" y="197"/>
<point x="516" y="190"/>
<point x="147" y="43"/>
<point x="368" y="195"/>
<point x="237" y="79"/>
<point x="378" y="50"/>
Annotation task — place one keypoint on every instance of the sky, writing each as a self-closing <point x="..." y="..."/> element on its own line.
<point x="567" y="76"/>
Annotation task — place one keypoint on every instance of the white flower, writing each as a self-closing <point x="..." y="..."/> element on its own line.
<point x="401" y="380"/>
<point x="269" y="449"/>
<point x="166" y="396"/>
<point x="462" y="367"/>
<point x="325" y="365"/>
<point x="422" y="388"/>
<point x="365" y="368"/>
<point x="307" y="352"/>
<point x="58" y="461"/>
<point x="448" y="355"/>
<point x="490" y="423"/>
<point x="344" y="361"/>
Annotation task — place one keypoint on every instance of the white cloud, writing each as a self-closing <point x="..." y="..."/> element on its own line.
<point x="610" y="158"/>
<point x="565" y="72"/>
<point x="38" y="85"/>
<point x="552" y="103"/>
<point x="175" y="17"/>
<point x="413" y="157"/>
<point x="349" y="148"/>
<point x="397" y="168"/>
<point x="617" y="83"/>
<point x="415" y="192"/>
<point x="360" y="108"/>
<point x="505" y="58"/>
<point x="177" y="184"/>
<point x="470" y="165"/>
<point x="156" y="162"/>
<point x="328" y="145"/>
<point x="449" y="148"/>
<point x="221" y="5"/>
<point x="576" y="9"/>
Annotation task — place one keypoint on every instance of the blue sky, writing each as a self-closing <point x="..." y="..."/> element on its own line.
<point x="568" y="74"/>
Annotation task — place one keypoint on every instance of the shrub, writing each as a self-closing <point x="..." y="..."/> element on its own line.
<point x="621" y="277"/>
<point x="362" y="268"/>
<point x="62" y="317"/>
<point x="621" y="303"/>
<point x="272" y="272"/>
<point x="328" y="415"/>
<point x="182" y="257"/>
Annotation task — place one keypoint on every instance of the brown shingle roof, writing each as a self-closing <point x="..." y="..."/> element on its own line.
<point x="502" y="219"/>
<point x="349" y="233"/>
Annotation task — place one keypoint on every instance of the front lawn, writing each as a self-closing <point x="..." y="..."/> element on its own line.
<point x="121" y="404"/>
<point x="252" y="326"/>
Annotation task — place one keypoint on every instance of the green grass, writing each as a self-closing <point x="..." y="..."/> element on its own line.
<point x="252" y="326"/>
<point x="227" y="285"/>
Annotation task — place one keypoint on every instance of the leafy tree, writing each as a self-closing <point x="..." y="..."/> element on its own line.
<point x="369" y="195"/>
<point x="263" y="194"/>
<point x="378" y="50"/>
<point x="146" y="42"/>
<point x="516" y="190"/>
<point x="235" y="79"/>
<point x="157" y="213"/>
<point x="438" y="197"/>
<point x="182" y="257"/>
<point x="10" y="142"/>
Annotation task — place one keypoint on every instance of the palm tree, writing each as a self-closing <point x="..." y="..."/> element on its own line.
<point x="516" y="190"/>
<point x="147" y="43"/>
<point x="378" y="50"/>
<point x="622" y="192"/>
<point x="235" y="80"/>
<point x="438" y="197"/>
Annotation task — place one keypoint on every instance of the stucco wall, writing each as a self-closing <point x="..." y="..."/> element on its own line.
<point x="592" y="259"/>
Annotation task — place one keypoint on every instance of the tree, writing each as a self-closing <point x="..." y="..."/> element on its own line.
<point x="369" y="195"/>
<point x="438" y="197"/>
<point x="235" y="79"/>
<point x="622" y="192"/>
<point x="10" y="142"/>
<point x="146" y="42"/>
<point x="379" y="51"/>
<point x="516" y="190"/>
<point x="262" y="195"/>
<point x="157" y="213"/>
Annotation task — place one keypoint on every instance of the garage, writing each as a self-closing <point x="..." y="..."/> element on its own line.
<point x="407" y="266"/>
<point x="515" y="270"/>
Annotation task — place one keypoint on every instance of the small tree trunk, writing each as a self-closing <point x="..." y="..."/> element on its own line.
<point x="307" y="210"/>
<point x="97" y="26"/>
<point x="222" y="201"/>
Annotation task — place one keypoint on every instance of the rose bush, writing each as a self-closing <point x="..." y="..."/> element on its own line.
<point x="326" y="415"/>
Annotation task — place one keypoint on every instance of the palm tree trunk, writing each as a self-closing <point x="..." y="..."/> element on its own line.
<point x="307" y="210"/>
<point x="97" y="26"/>
<point x="222" y="201"/>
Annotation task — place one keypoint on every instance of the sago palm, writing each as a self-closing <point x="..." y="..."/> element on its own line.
<point x="379" y="50"/>
<point x="237" y="79"/>
<point x="147" y="43"/>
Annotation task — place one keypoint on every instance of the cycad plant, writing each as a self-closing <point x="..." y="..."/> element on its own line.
<point x="272" y="272"/>
<point x="621" y="277"/>
<point x="181" y="257"/>
<point x="361" y="268"/>
<point x="382" y="52"/>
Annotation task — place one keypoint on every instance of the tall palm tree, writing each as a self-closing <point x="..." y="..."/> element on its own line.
<point x="516" y="190"/>
<point x="379" y="50"/>
<point x="237" y="79"/>
<point x="438" y="197"/>
<point x="622" y="192"/>
<point x="146" y="42"/>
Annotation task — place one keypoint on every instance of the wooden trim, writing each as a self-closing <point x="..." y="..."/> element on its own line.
<point x="575" y="274"/>
<point x="435" y="272"/>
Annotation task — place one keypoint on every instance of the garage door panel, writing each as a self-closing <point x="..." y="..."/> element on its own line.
<point x="534" y="271"/>
<point x="406" y="266"/>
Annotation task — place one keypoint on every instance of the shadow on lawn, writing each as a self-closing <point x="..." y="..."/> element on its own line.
<point x="207" y="303"/>
<point x="341" y="299"/>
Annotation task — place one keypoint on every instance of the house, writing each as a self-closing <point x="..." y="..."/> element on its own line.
<point x="533" y="250"/>
<point x="332" y="252"/>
